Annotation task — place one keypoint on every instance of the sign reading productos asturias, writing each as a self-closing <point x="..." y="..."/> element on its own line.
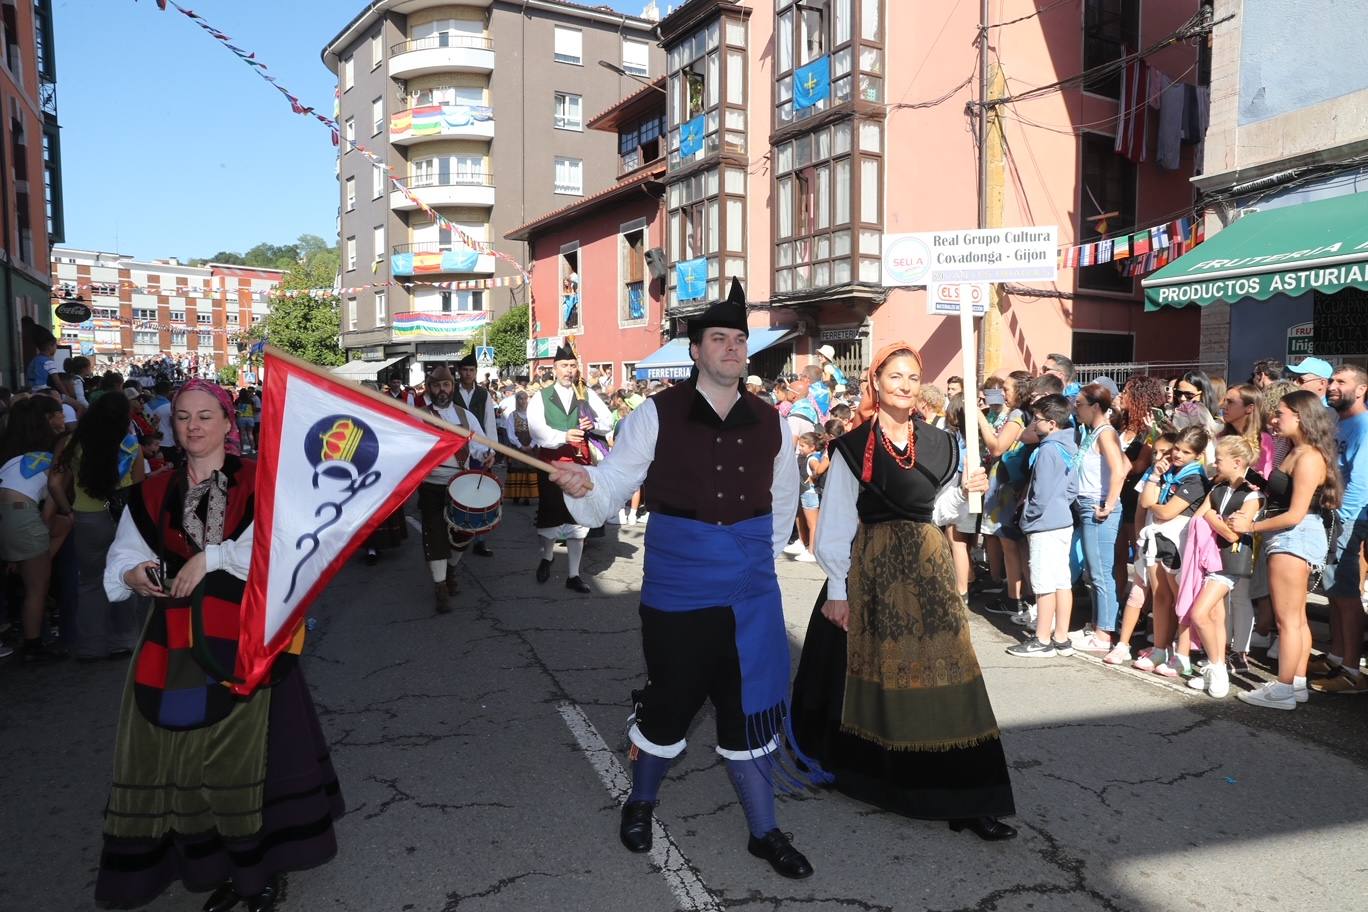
<point x="971" y="255"/>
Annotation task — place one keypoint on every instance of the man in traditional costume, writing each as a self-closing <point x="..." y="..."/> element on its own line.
<point x="478" y="402"/>
<point x="561" y="417"/>
<point x="723" y="489"/>
<point x="442" y="558"/>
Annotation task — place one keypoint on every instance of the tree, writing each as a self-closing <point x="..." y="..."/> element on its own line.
<point x="305" y="325"/>
<point x="508" y="335"/>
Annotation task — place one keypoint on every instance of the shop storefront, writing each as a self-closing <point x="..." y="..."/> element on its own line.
<point x="672" y="362"/>
<point x="1295" y="277"/>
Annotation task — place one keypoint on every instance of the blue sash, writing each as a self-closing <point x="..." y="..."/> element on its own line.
<point x="691" y="565"/>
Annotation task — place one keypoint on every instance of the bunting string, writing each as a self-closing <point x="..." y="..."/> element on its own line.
<point x="1140" y="252"/>
<point x="338" y="137"/>
<point x="67" y="290"/>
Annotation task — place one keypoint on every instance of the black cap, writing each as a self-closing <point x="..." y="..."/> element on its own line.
<point x="467" y="361"/>
<point x="728" y="314"/>
<point x="565" y="353"/>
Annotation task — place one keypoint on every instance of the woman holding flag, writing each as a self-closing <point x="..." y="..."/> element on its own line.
<point x="221" y="792"/>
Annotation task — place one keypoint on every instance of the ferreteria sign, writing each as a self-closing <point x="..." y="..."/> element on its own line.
<point x="971" y="255"/>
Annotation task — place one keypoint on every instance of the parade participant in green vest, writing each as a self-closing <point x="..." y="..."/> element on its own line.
<point x="563" y="418"/>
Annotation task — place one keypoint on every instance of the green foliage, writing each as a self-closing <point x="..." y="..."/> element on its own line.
<point x="228" y="376"/>
<point x="508" y="335"/>
<point x="306" y="326"/>
<point x="307" y="248"/>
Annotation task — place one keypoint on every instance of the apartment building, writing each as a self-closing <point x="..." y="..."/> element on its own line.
<point x="1284" y="271"/>
<point x="30" y="176"/>
<point x="480" y="106"/>
<point x="800" y="132"/>
<point x="143" y="308"/>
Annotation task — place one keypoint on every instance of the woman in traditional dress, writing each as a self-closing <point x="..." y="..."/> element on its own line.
<point x="522" y="479"/>
<point x="889" y="696"/>
<point x="221" y="792"/>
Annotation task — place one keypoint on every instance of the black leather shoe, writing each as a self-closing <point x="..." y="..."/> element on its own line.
<point x="440" y="599"/>
<point x="988" y="828"/>
<point x="775" y="848"/>
<point x="578" y="585"/>
<point x="543" y="571"/>
<point x="222" y="899"/>
<point x="635" y="830"/>
<point x="452" y="584"/>
<point x="265" y="901"/>
<point x="482" y="550"/>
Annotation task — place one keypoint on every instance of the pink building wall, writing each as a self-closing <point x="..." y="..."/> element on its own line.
<point x="602" y="337"/>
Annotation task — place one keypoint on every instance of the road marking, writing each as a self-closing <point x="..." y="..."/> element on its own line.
<point x="685" y="882"/>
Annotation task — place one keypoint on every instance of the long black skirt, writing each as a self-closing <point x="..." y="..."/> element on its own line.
<point x="929" y="785"/>
<point x="300" y="802"/>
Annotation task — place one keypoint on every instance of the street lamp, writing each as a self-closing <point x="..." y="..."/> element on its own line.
<point x="621" y="72"/>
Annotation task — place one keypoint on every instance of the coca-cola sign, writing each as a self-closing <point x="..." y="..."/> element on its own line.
<point x="73" y="311"/>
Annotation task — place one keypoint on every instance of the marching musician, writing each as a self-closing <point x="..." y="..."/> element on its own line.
<point x="562" y="418"/>
<point x="476" y="400"/>
<point x="432" y="493"/>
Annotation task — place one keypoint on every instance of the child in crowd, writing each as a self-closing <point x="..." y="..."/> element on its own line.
<point x="1047" y="520"/>
<point x="1140" y="570"/>
<point x="152" y="453"/>
<point x="1174" y="489"/>
<point x="964" y="529"/>
<point x="1231" y="495"/>
<point x="812" y="463"/>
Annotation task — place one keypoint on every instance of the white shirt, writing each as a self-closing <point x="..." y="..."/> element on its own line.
<point x="12" y="478"/>
<point x="622" y="473"/>
<point x="838" y="522"/>
<point x="168" y="432"/>
<point x="487" y="419"/>
<point x="78" y="388"/>
<point x="473" y="452"/>
<point x="543" y="435"/>
<point x="130" y="549"/>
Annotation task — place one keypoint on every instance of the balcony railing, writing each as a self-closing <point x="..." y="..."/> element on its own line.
<point x="476" y="42"/>
<point x="431" y="247"/>
<point x="462" y="179"/>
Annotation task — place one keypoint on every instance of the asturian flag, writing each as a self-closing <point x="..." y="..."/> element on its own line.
<point x="334" y="462"/>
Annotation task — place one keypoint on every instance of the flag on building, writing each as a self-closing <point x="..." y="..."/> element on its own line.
<point x="691" y="136"/>
<point x="812" y="83"/>
<point x="333" y="464"/>
<point x="1133" y="109"/>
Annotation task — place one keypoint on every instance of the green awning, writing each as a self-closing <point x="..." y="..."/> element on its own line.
<point x="1321" y="245"/>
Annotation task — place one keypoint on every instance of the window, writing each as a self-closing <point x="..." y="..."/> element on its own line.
<point x="632" y="302"/>
<point x="1108" y="183"/>
<point x="177" y="316"/>
<point x="640" y="144"/>
<point x="351" y="253"/>
<point x="449" y="170"/>
<point x="378" y="240"/>
<point x="377" y="49"/>
<point x="381" y="313"/>
<point x="570" y="288"/>
<point x="377" y="181"/>
<point x="206" y="339"/>
<point x="350" y="305"/>
<point x="703" y="71"/>
<point x="351" y="193"/>
<point x="1103" y="347"/>
<point x="460" y="301"/>
<point x="348" y="73"/>
<point x="636" y="57"/>
<point x="145" y="314"/>
<point x="569" y="112"/>
<point x="351" y="129"/>
<point x="628" y="372"/>
<point x="232" y="319"/>
<point x="450" y="33"/>
<point x="569" y="176"/>
<point x="450" y="96"/>
<point x="808" y="30"/>
<point x="697" y="230"/>
<point x="204" y="318"/>
<point x="145" y="342"/>
<point x="569" y="45"/>
<point x="180" y="339"/>
<point x="377" y="115"/>
<point x="1111" y="29"/>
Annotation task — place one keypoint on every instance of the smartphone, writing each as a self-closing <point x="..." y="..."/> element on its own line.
<point x="1159" y="415"/>
<point x="156" y="577"/>
<point x="1255" y="479"/>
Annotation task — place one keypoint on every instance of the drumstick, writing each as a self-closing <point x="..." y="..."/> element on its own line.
<point x="416" y="412"/>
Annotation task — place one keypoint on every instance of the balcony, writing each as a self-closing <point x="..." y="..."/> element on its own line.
<point x="445" y="190"/>
<point x="442" y="54"/>
<point x="441" y="122"/>
<point x="435" y="258"/>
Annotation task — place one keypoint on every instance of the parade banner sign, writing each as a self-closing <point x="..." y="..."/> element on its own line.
<point x="335" y="462"/>
<point x="971" y="255"/>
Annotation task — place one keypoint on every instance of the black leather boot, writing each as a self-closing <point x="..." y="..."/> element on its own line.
<point x="987" y="828"/>
<point x="635" y="830"/>
<point x="775" y="848"/>
<point x="222" y="899"/>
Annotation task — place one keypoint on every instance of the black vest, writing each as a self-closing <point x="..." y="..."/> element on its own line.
<point x="711" y="469"/>
<point x="478" y="401"/>
<point x="896" y="493"/>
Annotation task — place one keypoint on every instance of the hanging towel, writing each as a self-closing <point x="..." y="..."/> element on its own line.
<point x="1168" y="145"/>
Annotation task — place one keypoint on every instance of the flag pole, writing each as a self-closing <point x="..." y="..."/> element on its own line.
<point x="426" y="417"/>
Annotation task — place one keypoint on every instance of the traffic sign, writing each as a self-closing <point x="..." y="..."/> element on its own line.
<point x="484" y="355"/>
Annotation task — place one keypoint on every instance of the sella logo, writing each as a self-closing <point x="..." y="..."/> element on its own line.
<point x="909" y="259"/>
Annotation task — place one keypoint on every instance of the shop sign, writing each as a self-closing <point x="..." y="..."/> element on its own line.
<point x="971" y="255"/>
<point x="1301" y="340"/>
<point x="943" y="300"/>
<point x="72" y="311"/>
<point x="542" y="348"/>
<point x="842" y="334"/>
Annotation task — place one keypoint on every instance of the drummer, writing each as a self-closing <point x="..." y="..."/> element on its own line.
<point x="432" y="493"/>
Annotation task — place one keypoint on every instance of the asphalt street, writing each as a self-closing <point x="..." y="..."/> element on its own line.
<point x="482" y="758"/>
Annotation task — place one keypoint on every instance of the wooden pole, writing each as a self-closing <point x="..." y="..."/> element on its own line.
<point x="426" y="417"/>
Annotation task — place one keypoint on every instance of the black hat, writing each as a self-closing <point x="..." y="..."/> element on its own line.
<point x="565" y="353"/>
<point x="728" y="314"/>
<point x="468" y="361"/>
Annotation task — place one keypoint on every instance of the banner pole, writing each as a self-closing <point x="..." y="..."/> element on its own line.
<point x="427" y="417"/>
<point x="970" y="392"/>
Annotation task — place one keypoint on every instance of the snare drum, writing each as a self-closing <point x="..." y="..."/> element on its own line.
<point x="474" y="506"/>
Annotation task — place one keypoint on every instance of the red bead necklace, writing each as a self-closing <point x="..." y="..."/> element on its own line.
<point x="907" y="461"/>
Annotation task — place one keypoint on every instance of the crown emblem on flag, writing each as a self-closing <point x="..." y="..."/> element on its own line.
<point x="341" y="440"/>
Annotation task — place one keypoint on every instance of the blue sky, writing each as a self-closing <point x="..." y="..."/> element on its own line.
<point x="173" y="147"/>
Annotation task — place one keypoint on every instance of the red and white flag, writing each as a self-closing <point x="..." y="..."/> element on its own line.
<point x="333" y="464"/>
<point x="1133" y="107"/>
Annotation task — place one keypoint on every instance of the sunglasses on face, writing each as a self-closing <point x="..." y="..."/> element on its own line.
<point x="1185" y="394"/>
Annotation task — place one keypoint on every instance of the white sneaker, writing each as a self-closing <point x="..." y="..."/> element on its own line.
<point x="1199" y="682"/>
<point x="794" y="548"/>
<point x="1273" y="695"/>
<point x="805" y="557"/>
<point x="619" y="520"/>
<point x="632" y="518"/>
<point x="1301" y="694"/>
<point x="1026" y="617"/>
<point x="1217" y="681"/>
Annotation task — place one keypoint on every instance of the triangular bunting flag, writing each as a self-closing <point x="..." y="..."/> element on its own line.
<point x="334" y="463"/>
